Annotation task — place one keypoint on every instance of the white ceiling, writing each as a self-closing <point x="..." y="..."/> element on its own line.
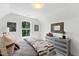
<point x="51" y="11"/>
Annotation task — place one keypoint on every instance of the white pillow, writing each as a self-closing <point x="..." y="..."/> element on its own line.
<point x="32" y="39"/>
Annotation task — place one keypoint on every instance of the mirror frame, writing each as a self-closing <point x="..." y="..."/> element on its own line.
<point x="61" y="24"/>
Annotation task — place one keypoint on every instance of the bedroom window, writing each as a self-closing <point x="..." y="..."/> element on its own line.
<point x="25" y="28"/>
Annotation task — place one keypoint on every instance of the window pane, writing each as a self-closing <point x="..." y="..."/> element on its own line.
<point x="27" y="32"/>
<point x="23" y="32"/>
<point x="23" y="24"/>
<point x="27" y="24"/>
<point x="25" y="28"/>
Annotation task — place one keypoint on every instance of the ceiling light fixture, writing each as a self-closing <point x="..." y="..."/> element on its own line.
<point x="38" y="4"/>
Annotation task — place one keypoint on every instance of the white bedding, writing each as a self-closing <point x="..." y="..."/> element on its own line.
<point x="25" y="50"/>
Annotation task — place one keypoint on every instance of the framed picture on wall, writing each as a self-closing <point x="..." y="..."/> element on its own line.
<point x="36" y="27"/>
<point x="11" y="26"/>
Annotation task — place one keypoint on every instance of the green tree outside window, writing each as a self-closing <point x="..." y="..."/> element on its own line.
<point x="25" y="28"/>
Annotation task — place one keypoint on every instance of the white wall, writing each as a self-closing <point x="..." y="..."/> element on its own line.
<point x="4" y="10"/>
<point x="18" y="19"/>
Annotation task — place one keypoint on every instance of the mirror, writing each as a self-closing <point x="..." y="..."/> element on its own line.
<point x="57" y="27"/>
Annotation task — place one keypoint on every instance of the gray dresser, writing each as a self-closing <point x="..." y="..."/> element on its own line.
<point x="62" y="46"/>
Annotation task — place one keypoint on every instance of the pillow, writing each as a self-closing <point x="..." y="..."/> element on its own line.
<point x="32" y="39"/>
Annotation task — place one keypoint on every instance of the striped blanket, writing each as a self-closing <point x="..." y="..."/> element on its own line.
<point x="42" y="47"/>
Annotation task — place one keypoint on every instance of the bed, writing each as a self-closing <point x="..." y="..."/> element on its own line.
<point x="41" y="47"/>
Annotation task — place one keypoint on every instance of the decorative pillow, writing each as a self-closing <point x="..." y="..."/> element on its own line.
<point x="50" y="34"/>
